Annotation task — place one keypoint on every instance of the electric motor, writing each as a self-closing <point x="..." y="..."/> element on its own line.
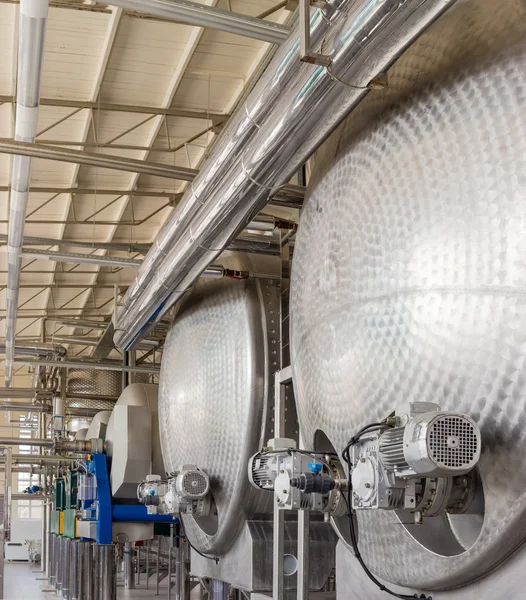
<point x="422" y="460"/>
<point x="300" y="480"/>
<point x="186" y="492"/>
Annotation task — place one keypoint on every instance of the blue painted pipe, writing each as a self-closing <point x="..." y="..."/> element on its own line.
<point x="137" y="514"/>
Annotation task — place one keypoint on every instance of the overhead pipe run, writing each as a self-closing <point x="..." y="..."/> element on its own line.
<point x="88" y="365"/>
<point x="32" y="30"/>
<point x="244" y="243"/>
<point x="287" y="193"/>
<point x="306" y="104"/>
<point x="185" y="11"/>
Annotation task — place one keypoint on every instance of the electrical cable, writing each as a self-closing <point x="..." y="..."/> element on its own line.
<point x="214" y="558"/>
<point x="351" y="513"/>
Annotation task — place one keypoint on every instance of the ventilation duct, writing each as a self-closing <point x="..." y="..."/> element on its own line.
<point x="290" y="112"/>
<point x="33" y="16"/>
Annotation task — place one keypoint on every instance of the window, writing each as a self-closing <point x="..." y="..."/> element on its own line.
<point x="27" y="509"/>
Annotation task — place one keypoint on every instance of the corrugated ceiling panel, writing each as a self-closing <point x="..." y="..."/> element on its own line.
<point x="144" y="57"/>
<point x="8" y="36"/>
<point x="72" y="54"/>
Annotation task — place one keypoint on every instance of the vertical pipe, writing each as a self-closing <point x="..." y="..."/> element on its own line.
<point x="129" y="574"/>
<point x="66" y="567"/>
<point x="52" y="563"/>
<point x="157" y="565"/>
<point x="170" y="549"/>
<point x="185" y="572"/>
<point x="88" y="574"/>
<point x="44" y="537"/>
<point x="59" y="560"/>
<point x="47" y="543"/>
<point x="148" y="543"/>
<point x="8" y="482"/>
<point x="77" y="589"/>
<point x="106" y="572"/>
<point x="303" y="555"/>
<point x="278" y="531"/>
<point x="178" y="562"/>
<point x="218" y="590"/>
<point x="73" y="580"/>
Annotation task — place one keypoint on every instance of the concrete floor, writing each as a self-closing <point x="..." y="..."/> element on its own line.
<point x="21" y="583"/>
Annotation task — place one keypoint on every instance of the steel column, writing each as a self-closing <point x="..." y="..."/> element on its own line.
<point x="129" y="574"/>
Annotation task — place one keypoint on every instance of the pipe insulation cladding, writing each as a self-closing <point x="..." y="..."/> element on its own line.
<point x="32" y="30"/>
<point x="291" y="111"/>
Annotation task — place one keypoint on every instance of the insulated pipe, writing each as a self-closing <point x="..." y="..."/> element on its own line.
<point x="32" y="29"/>
<point x="371" y="36"/>
<point x="184" y="11"/>
<point x="121" y="163"/>
<point x="230" y="145"/>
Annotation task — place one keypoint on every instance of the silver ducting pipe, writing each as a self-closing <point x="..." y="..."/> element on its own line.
<point x="369" y="38"/>
<point x="237" y="133"/>
<point x="185" y="11"/>
<point x="32" y="29"/>
<point x="292" y="193"/>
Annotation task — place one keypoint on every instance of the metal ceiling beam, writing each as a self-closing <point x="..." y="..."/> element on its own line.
<point x="99" y="192"/>
<point x="242" y="243"/>
<point x="88" y="365"/>
<point x="106" y="161"/>
<point x="38" y="241"/>
<point x="119" y="163"/>
<point x="216" y="118"/>
<point x="80" y="258"/>
<point x="192" y="13"/>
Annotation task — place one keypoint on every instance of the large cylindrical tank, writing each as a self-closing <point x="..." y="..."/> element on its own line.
<point x="409" y="279"/>
<point x="214" y="394"/>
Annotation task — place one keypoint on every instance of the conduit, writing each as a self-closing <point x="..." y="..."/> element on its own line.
<point x="303" y="103"/>
<point x="32" y="28"/>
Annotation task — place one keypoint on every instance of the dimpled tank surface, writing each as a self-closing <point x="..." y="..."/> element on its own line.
<point x="409" y="272"/>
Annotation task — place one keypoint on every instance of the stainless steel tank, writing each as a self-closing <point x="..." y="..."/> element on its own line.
<point x="214" y="394"/>
<point x="409" y="279"/>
